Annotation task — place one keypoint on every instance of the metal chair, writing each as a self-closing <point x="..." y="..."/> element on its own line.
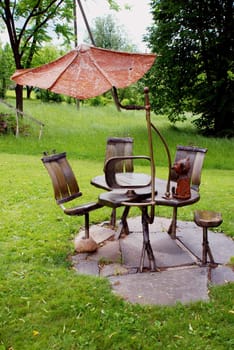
<point x="118" y="147"/>
<point x="196" y="157"/>
<point x="66" y="188"/>
<point x="133" y="190"/>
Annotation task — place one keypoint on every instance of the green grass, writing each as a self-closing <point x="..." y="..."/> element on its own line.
<point x="44" y="304"/>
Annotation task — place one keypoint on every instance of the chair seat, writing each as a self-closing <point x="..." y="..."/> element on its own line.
<point x="82" y="209"/>
<point x="207" y="218"/>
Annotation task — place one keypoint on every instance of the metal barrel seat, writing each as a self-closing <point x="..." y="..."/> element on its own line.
<point x="66" y="187"/>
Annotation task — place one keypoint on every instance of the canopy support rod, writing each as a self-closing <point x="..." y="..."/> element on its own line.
<point x="86" y="22"/>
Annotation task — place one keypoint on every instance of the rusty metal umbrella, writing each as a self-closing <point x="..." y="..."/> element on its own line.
<point x="87" y="71"/>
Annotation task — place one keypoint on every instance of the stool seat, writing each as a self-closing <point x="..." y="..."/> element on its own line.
<point x="207" y="218"/>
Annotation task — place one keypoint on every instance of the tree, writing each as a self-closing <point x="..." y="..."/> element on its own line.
<point x="6" y="68"/>
<point x="42" y="56"/>
<point x="30" y="23"/>
<point x="194" y="71"/>
<point x="109" y="35"/>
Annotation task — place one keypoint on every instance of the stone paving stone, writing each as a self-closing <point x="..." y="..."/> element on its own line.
<point x="100" y="233"/>
<point x="113" y="270"/>
<point x="222" y="275"/>
<point x="79" y="256"/>
<point x="166" y="251"/>
<point x="159" y="224"/>
<point x="110" y="252"/>
<point x="167" y="288"/>
<point x="222" y="247"/>
<point x="176" y="284"/>
<point x="86" y="267"/>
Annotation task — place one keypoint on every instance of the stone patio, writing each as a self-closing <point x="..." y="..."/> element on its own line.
<point x="181" y="277"/>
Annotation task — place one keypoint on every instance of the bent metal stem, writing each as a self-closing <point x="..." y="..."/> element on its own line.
<point x="150" y="126"/>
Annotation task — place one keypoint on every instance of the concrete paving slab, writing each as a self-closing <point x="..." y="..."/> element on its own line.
<point x="166" y="251"/>
<point x="86" y="267"/>
<point x="101" y="233"/>
<point x="222" y="247"/>
<point x="109" y="253"/>
<point x="113" y="270"/>
<point x="166" y="288"/>
<point x="173" y="284"/>
<point x="222" y="275"/>
<point x="159" y="224"/>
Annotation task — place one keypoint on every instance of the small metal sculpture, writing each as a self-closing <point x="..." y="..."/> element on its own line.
<point x="182" y="167"/>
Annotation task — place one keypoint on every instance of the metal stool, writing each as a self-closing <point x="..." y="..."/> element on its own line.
<point x="205" y="219"/>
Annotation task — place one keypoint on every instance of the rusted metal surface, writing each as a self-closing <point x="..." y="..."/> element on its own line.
<point x="87" y="71"/>
<point x="206" y="219"/>
<point x="182" y="167"/>
<point x="66" y="187"/>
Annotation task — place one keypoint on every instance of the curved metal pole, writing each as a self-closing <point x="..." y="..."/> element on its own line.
<point x="151" y="151"/>
<point x="127" y="107"/>
<point x="150" y="126"/>
<point x="167" y="194"/>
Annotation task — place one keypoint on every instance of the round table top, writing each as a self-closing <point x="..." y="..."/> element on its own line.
<point x="115" y="197"/>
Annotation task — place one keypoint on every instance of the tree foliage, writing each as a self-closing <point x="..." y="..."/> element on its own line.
<point x="7" y="68"/>
<point x="30" y="23"/>
<point x="194" y="71"/>
<point x="109" y="35"/>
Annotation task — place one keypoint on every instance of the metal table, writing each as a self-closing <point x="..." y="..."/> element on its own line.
<point x="160" y="188"/>
<point x="139" y="197"/>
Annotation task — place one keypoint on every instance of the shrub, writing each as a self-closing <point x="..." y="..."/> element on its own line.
<point x="46" y="96"/>
<point x="8" y="125"/>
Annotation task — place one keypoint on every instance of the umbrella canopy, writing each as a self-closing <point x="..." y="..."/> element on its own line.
<point x="87" y="71"/>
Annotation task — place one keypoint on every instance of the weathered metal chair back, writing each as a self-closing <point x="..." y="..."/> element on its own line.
<point x="196" y="157"/>
<point x="117" y="147"/>
<point x="63" y="179"/>
<point x="66" y="187"/>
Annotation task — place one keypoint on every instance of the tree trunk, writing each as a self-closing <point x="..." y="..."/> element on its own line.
<point x="29" y="90"/>
<point x="19" y="97"/>
<point x="224" y="116"/>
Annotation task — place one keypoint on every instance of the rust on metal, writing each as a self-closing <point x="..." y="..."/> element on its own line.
<point x="181" y="168"/>
<point x="87" y="71"/>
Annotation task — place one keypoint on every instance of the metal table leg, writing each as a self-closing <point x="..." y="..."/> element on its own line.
<point x="123" y="225"/>
<point x="146" y="243"/>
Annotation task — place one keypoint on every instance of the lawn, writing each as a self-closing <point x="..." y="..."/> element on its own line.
<point x="44" y="304"/>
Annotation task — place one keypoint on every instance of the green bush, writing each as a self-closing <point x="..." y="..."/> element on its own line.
<point x="46" y="96"/>
<point x="98" y="101"/>
<point x="8" y="125"/>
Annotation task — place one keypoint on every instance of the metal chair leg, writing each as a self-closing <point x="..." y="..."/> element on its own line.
<point x="113" y="218"/>
<point x="206" y="248"/>
<point x="86" y="225"/>
<point x="172" y="228"/>
<point x="123" y="225"/>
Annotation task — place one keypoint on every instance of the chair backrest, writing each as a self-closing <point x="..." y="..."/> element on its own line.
<point x="118" y="147"/>
<point x="63" y="179"/>
<point x="196" y="157"/>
